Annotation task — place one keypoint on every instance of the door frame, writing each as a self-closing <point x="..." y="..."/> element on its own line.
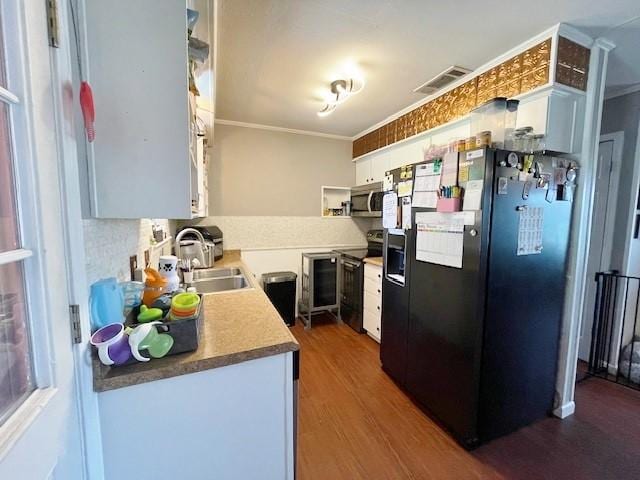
<point x="66" y="98"/>
<point x="609" y="229"/>
<point x="612" y="199"/>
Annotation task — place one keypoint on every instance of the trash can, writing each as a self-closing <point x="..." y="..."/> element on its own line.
<point x="280" y="287"/>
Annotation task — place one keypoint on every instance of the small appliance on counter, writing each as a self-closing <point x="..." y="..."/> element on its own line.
<point x="352" y="278"/>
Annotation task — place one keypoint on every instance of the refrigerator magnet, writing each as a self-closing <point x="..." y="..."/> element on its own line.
<point x="503" y="185"/>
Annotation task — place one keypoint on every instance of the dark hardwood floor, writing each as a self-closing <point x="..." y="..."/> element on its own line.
<point x="355" y="423"/>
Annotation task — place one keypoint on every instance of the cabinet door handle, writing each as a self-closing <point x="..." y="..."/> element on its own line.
<point x="379" y="276"/>
<point x="378" y="290"/>
<point x="378" y="307"/>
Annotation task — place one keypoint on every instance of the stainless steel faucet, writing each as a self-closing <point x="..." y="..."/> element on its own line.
<point x="200" y="238"/>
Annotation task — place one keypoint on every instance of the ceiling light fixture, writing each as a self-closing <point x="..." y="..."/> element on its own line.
<point x="340" y="90"/>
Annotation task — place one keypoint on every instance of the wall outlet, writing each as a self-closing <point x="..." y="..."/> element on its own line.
<point x="138" y="275"/>
<point x="133" y="265"/>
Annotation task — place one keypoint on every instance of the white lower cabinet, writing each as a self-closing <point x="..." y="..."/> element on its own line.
<point x="372" y="300"/>
<point x="233" y="422"/>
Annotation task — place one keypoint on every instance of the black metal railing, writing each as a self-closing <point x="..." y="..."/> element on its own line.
<point x="615" y="339"/>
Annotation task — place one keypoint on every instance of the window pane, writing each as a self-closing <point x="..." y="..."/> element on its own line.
<point x="15" y="366"/>
<point x="8" y="221"/>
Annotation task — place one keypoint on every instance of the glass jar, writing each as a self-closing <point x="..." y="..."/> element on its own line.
<point x="483" y="139"/>
<point x="470" y="144"/>
<point x="527" y="143"/>
<point x="518" y="141"/>
<point x="539" y="144"/>
<point x="510" y="120"/>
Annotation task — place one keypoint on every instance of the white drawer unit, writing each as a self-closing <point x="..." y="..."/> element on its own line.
<point x="373" y="272"/>
<point x="372" y="311"/>
<point x="373" y="286"/>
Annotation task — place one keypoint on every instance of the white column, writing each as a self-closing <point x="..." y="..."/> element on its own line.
<point x="580" y="228"/>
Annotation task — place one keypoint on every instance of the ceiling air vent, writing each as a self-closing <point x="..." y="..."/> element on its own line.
<point x="443" y="79"/>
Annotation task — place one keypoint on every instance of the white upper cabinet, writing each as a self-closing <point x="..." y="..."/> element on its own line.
<point x="371" y="169"/>
<point x="363" y="171"/>
<point x="558" y="114"/>
<point x="144" y="161"/>
<point x="379" y="167"/>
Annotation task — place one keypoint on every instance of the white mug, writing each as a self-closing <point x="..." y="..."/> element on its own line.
<point x="168" y="268"/>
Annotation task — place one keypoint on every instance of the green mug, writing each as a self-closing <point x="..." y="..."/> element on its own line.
<point x="146" y="337"/>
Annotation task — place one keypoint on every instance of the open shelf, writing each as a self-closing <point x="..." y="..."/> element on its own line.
<point x="331" y="200"/>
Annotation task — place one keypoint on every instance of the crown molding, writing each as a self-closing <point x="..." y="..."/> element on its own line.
<point x="272" y="128"/>
<point x="622" y="91"/>
<point x="605" y="44"/>
<point x="575" y="35"/>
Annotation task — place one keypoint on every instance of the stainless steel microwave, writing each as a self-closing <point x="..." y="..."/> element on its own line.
<point x="366" y="200"/>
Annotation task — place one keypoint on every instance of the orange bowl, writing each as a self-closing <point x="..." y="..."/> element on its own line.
<point x="184" y="313"/>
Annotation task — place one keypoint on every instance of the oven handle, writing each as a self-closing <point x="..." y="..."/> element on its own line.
<point x="369" y="201"/>
<point x="349" y="265"/>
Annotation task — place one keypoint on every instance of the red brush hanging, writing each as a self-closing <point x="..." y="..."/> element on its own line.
<point x="88" y="110"/>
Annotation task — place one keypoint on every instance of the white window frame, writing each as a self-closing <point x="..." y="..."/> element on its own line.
<point x="18" y="97"/>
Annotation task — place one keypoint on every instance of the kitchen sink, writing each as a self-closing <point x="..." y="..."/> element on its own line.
<point x="216" y="280"/>
<point x="216" y="273"/>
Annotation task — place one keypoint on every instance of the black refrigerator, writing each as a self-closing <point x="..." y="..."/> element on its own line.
<point x="481" y="342"/>
<point x="395" y="286"/>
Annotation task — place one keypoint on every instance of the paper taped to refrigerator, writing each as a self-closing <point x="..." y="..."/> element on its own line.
<point x="473" y="195"/>
<point x="450" y="169"/>
<point x="440" y="238"/>
<point x="390" y="210"/>
<point x="406" y="213"/>
<point x="426" y="185"/>
<point x="530" y="231"/>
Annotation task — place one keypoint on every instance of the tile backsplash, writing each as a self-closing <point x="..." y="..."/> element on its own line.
<point x="248" y="232"/>
<point x="110" y="243"/>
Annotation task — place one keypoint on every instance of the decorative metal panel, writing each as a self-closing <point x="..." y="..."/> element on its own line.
<point x="519" y="74"/>
<point x="572" y="67"/>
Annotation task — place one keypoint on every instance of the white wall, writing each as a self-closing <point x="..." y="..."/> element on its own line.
<point x="110" y="243"/>
<point x="264" y="172"/>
